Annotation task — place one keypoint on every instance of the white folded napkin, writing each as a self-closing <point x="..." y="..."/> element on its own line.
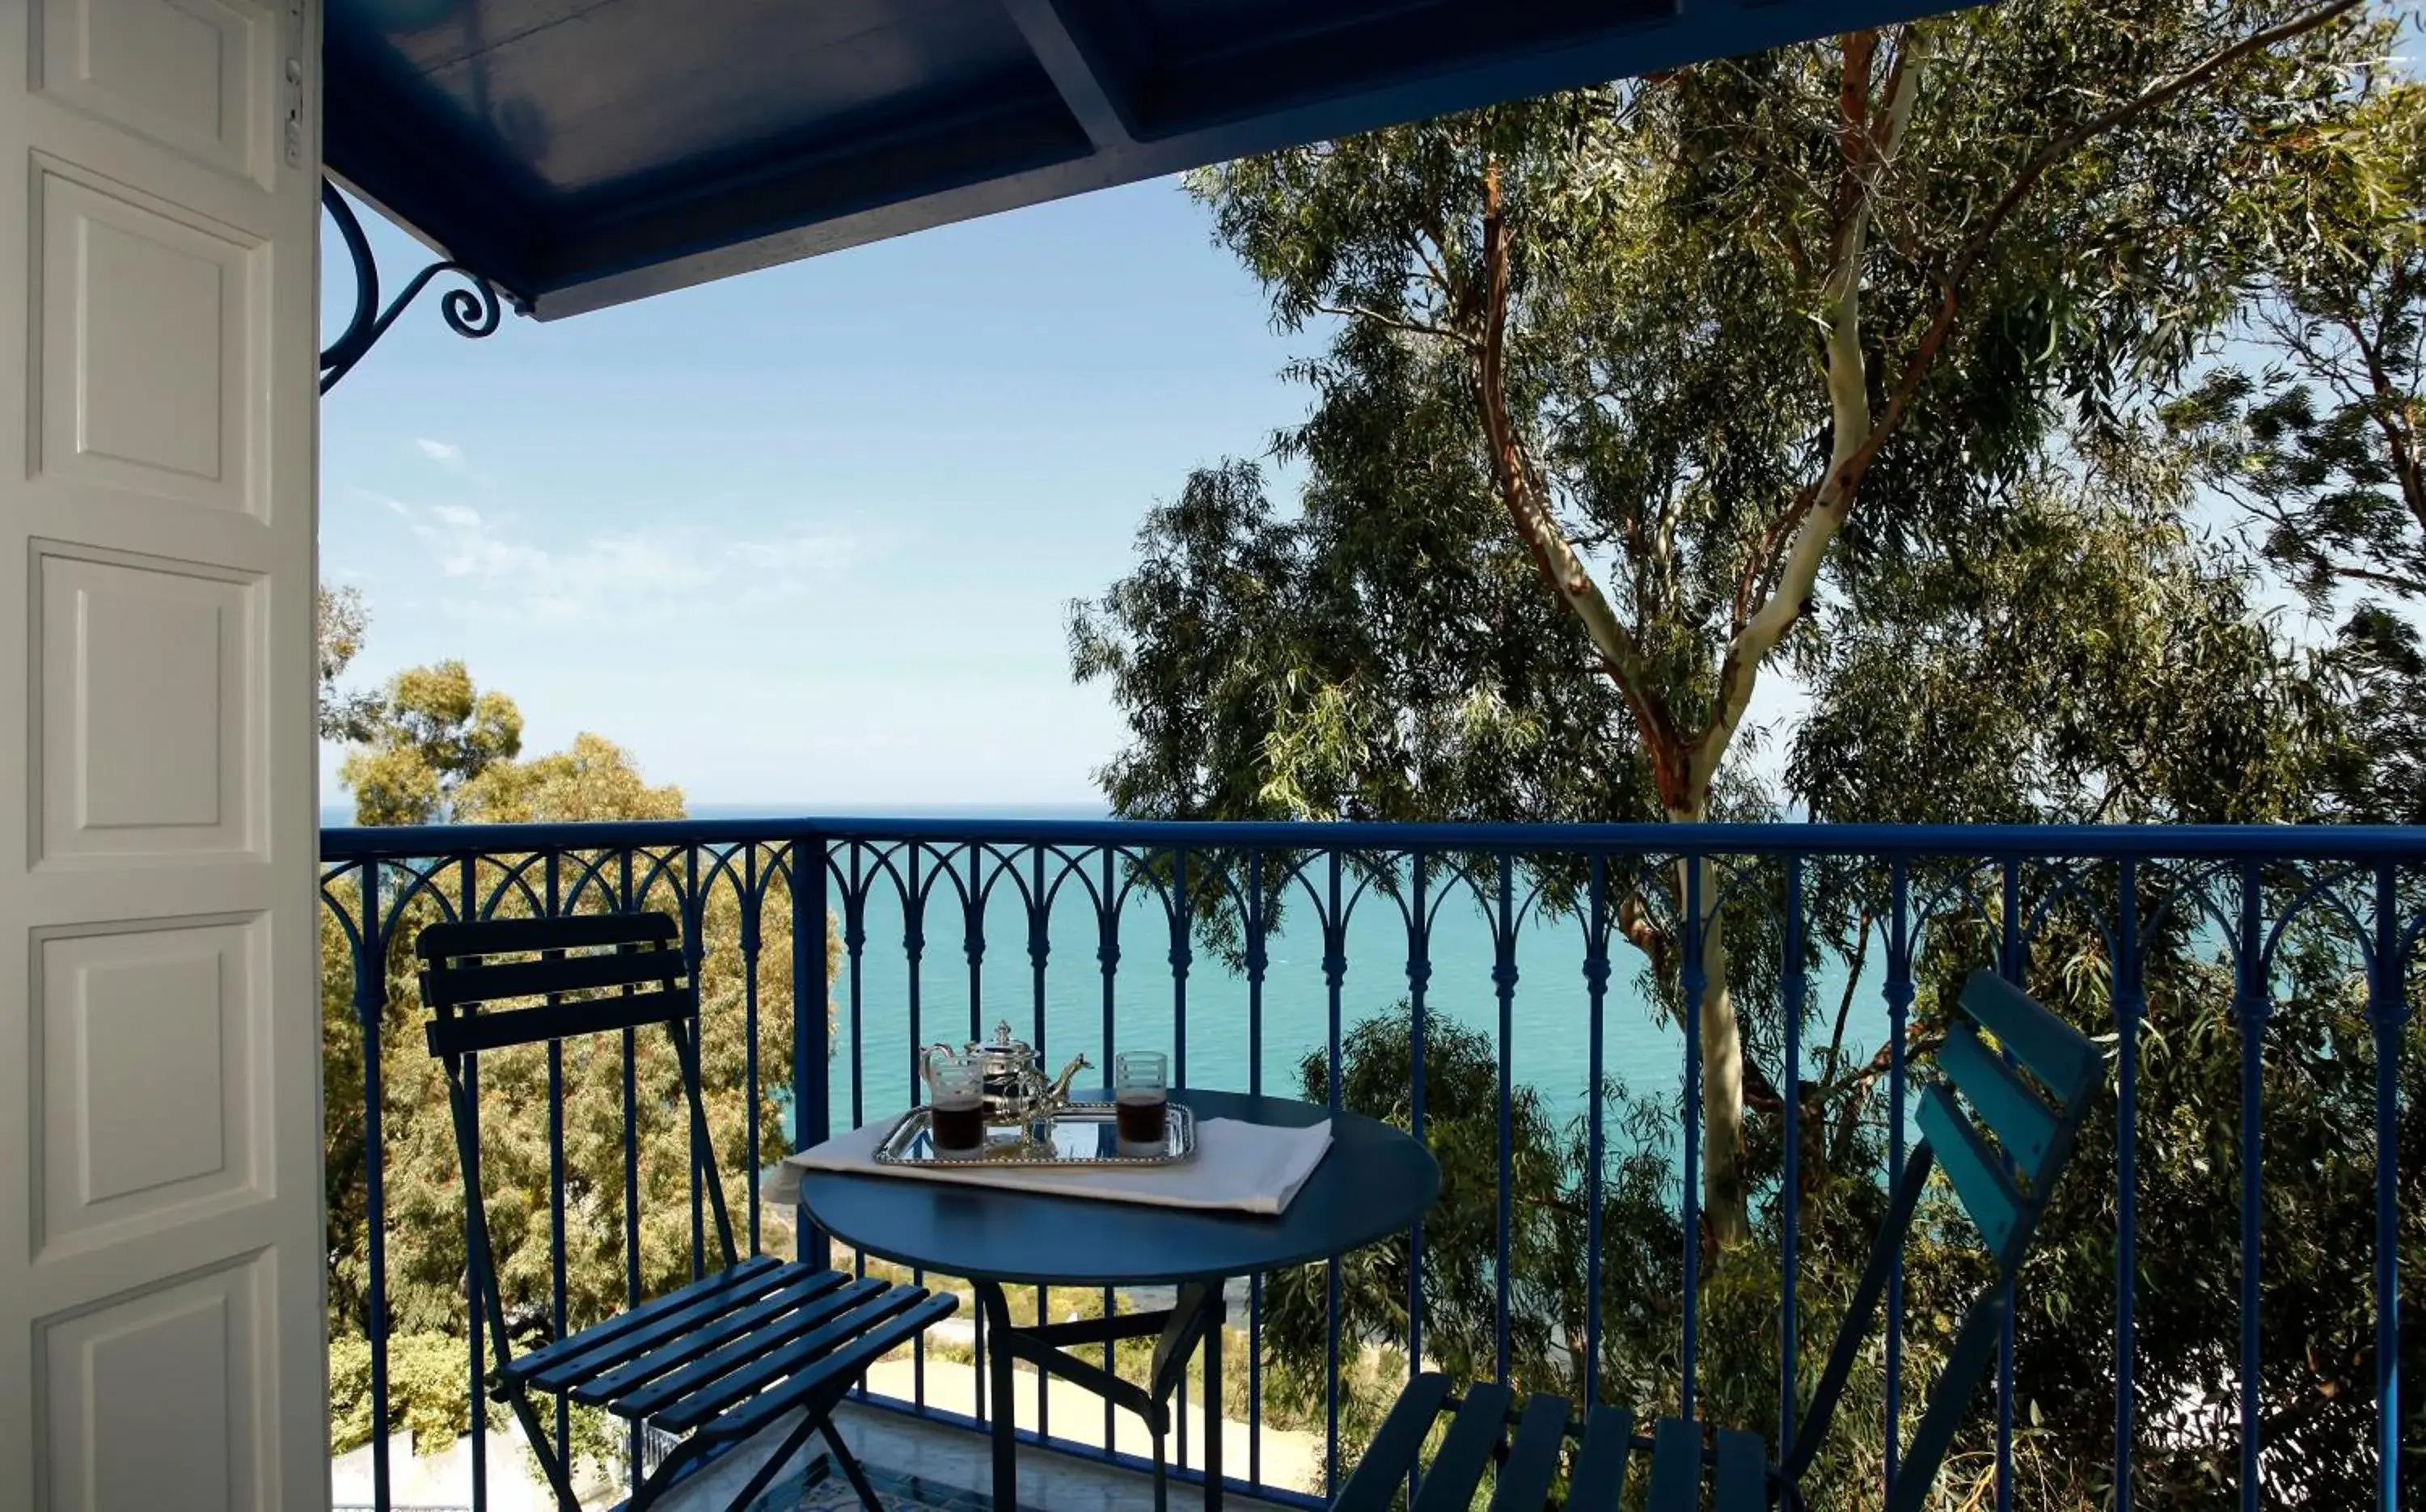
<point x="1244" y="1167"/>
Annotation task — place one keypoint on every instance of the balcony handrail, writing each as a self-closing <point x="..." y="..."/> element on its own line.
<point x="2315" y="843"/>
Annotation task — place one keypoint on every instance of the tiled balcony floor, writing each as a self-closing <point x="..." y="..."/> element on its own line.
<point x="928" y="1467"/>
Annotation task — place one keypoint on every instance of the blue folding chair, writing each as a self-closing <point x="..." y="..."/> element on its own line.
<point x="720" y="1358"/>
<point x="2034" y="1125"/>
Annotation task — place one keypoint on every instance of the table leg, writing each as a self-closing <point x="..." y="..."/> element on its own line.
<point x="1213" y="1405"/>
<point x="1198" y="1311"/>
<point x="1002" y="1422"/>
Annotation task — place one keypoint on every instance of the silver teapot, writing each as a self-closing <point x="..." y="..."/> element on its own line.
<point x="1011" y="1077"/>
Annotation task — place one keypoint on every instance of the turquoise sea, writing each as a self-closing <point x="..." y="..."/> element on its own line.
<point x="1547" y="1029"/>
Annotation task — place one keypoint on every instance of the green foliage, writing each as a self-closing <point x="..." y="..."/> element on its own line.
<point x="1549" y="1208"/>
<point x="340" y="621"/>
<point x="433" y="735"/>
<point x="1462" y="1126"/>
<point x="1618" y="390"/>
<point x="2083" y="658"/>
<point x="2315" y="1311"/>
<point x="1625" y="397"/>
<point x="426" y="1377"/>
<point x="2379" y="655"/>
<point x="2317" y="1300"/>
<point x="2320" y="447"/>
<point x="1388" y="649"/>
<point x="1392" y="660"/>
<point x="442" y="749"/>
<point x="2317" y="442"/>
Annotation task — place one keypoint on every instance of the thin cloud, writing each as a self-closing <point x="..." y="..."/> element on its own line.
<point x="617" y="577"/>
<point x="394" y="506"/>
<point x="789" y="565"/>
<point x="445" y="453"/>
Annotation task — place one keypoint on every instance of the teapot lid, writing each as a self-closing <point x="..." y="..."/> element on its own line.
<point x="1002" y="1043"/>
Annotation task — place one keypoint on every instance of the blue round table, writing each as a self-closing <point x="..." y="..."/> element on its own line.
<point x="1374" y="1181"/>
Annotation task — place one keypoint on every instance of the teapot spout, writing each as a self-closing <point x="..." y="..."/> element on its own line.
<point x="1059" y="1093"/>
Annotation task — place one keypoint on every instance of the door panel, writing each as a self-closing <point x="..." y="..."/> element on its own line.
<point x="161" y="1332"/>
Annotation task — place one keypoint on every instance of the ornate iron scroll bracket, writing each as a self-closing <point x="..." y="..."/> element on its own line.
<point x="472" y="311"/>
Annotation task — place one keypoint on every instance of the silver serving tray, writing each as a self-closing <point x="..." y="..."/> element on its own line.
<point x="1081" y="1136"/>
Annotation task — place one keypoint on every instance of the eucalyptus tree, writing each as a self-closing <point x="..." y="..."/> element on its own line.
<point x="2313" y="426"/>
<point x="2323" y="446"/>
<point x="1616" y="386"/>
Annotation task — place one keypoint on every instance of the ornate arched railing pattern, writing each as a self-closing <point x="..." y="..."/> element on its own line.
<point x="1180" y="922"/>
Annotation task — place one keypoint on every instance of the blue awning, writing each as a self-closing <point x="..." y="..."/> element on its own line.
<point x="583" y="153"/>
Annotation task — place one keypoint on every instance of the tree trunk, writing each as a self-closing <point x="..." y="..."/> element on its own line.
<point x="1724" y="1196"/>
<point x="1725" y="1202"/>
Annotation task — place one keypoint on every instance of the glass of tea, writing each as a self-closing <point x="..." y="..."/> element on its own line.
<point x="956" y="1119"/>
<point x="1141" y="1099"/>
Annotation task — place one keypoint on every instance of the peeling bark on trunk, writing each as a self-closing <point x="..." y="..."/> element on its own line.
<point x="1727" y="1202"/>
<point x="1869" y="148"/>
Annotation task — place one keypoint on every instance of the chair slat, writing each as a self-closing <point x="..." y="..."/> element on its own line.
<point x="707" y="1364"/>
<point x="576" y="1366"/>
<point x="2019" y="1116"/>
<point x="2052" y="1049"/>
<point x="1743" y="1472"/>
<point x="1448" y="1485"/>
<point x="624" y="1336"/>
<point x="755" y="1272"/>
<point x="1600" y="1465"/>
<point x="713" y="1399"/>
<point x="1375" y="1482"/>
<point x="1532" y="1462"/>
<point x="1991" y="1200"/>
<point x="513" y="937"/>
<point x="833" y="1375"/>
<point x="494" y="983"/>
<point x="2067" y="1063"/>
<point x="1675" y="1468"/>
<point x="748" y="1322"/>
<point x="471" y="1033"/>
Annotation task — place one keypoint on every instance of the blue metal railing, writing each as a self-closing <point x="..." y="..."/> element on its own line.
<point x="1460" y="917"/>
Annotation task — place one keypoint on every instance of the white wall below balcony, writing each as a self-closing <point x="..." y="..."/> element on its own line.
<point x="444" y="1479"/>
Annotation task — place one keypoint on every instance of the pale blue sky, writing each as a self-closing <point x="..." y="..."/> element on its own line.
<point x="804" y="537"/>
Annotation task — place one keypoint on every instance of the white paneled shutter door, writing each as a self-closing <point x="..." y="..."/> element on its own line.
<point x="160" y="1208"/>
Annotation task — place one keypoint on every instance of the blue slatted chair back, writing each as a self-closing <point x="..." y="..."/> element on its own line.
<point x="494" y="983"/>
<point x="2000" y="1125"/>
